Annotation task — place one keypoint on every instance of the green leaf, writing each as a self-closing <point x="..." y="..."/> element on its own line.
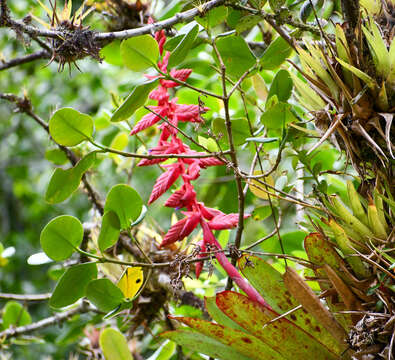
<point x="120" y="142"/>
<point x="207" y="345"/>
<point x="134" y="101"/>
<point x="164" y="352"/>
<point x="259" y="86"/>
<point x="69" y="127"/>
<point x="213" y="17"/>
<point x="104" y="294"/>
<point x="233" y="18"/>
<point x="112" y="53"/>
<point x="281" y="335"/>
<point x="247" y="22"/>
<point x="181" y="51"/>
<point x="125" y="202"/>
<point x="278" y="116"/>
<point x="261" y="213"/>
<point x="60" y="237"/>
<point x="240" y="130"/>
<point x="378" y="49"/>
<point x="262" y="140"/>
<point x="308" y="97"/>
<point x="258" y="4"/>
<point x="109" y="231"/>
<point x="276" y="4"/>
<point x="72" y="284"/>
<point x="269" y="283"/>
<point x="64" y="182"/>
<point x="14" y="314"/>
<point x="218" y="316"/>
<point x="140" y="53"/>
<point x="246" y="344"/>
<point x="114" y="345"/>
<point x="57" y="156"/>
<point x="281" y="86"/>
<point x="236" y="55"/>
<point x="363" y="76"/>
<point x="275" y="54"/>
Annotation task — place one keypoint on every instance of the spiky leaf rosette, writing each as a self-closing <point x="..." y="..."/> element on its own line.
<point x="350" y="91"/>
<point x="354" y="256"/>
<point x="76" y="41"/>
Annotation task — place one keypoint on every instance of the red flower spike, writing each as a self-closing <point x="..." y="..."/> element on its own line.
<point x="148" y="120"/>
<point x="199" y="265"/>
<point x="209" y="213"/>
<point x="181" y="75"/>
<point x="164" y="181"/>
<point x="188" y="169"/>
<point x="211" y="161"/>
<point x="181" y="229"/>
<point x="190" y="113"/>
<point x="224" y="221"/>
<point x="174" y="200"/>
<point x="209" y="238"/>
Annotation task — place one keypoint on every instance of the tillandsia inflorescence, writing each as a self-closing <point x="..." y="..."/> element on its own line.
<point x="188" y="169"/>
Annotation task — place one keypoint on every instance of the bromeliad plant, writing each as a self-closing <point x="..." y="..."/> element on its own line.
<point x="351" y="90"/>
<point x="245" y="329"/>
<point x="351" y="261"/>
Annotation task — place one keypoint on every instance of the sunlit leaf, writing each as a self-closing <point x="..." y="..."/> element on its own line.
<point x="60" y="237"/>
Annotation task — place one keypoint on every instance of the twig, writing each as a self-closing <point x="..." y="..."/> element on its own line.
<point x="256" y="243"/>
<point x="277" y="18"/>
<point x="233" y="156"/>
<point x="56" y="319"/>
<point x="23" y="297"/>
<point x="41" y="54"/>
<point x="160" y="156"/>
<point x="151" y="28"/>
<point x="184" y="83"/>
<point x="283" y="315"/>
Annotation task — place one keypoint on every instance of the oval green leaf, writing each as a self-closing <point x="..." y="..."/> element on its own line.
<point x="60" y="237"/>
<point x="278" y="116"/>
<point x="112" y="53"/>
<point x="57" y="156"/>
<point x="14" y="314"/>
<point x="64" y="182"/>
<point x="134" y="101"/>
<point x="181" y="51"/>
<point x="109" y="232"/>
<point x="281" y="86"/>
<point x="72" y="284"/>
<point x="104" y="294"/>
<point x="69" y="127"/>
<point x="125" y="202"/>
<point x="240" y="130"/>
<point x="114" y="345"/>
<point x="140" y="53"/>
<point x="275" y="54"/>
<point x="213" y="17"/>
<point x="236" y="55"/>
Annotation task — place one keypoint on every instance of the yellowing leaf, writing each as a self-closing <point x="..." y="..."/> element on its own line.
<point x="259" y="189"/>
